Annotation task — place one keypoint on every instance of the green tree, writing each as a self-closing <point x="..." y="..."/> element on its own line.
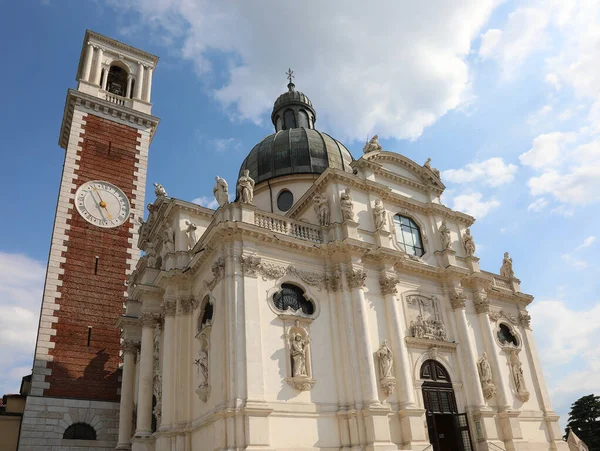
<point x="584" y="419"/>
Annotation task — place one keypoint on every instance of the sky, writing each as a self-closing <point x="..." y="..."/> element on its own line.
<point x="504" y="96"/>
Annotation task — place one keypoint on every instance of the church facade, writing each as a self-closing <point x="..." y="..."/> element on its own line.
<point x="330" y="303"/>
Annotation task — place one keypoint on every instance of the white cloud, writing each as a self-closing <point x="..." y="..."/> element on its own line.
<point x="493" y="172"/>
<point x="540" y="115"/>
<point x="21" y="285"/>
<point x="547" y="149"/>
<point x="574" y="261"/>
<point x="206" y="201"/>
<point x="472" y="204"/>
<point x="391" y="68"/>
<point x="587" y="242"/>
<point x="538" y="205"/>
<point x="225" y="144"/>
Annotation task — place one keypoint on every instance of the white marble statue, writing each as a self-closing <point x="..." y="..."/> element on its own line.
<point x="380" y="215"/>
<point x="445" y="235"/>
<point x="516" y="371"/>
<point x="386" y="361"/>
<point x="372" y="145"/>
<point x="322" y="208"/>
<point x="245" y="188"/>
<point x="506" y="270"/>
<point x="202" y="368"/>
<point x="298" y="352"/>
<point x="191" y="233"/>
<point x="469" y="243"/>
<point x="151" y="257"/>
<point x="347" y="205"/>
<point x="168" y="240"/>
<point x="485" y="370"/>
<point x="434" y="170"/>
<point x="221" y="191"/>
<point x="159" y="190"/>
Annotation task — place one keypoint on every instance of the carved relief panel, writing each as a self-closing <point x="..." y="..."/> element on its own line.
<point x="424" y="318"/>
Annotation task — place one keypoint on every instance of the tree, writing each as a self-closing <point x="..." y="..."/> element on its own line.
<point x="584" y="419"/>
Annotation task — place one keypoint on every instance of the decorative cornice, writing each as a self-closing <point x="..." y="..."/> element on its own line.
<point x="356" y="278"/>
<point x="388" y="284"/>
<point x="91" y="35"/>
<point x="426" y="343"/>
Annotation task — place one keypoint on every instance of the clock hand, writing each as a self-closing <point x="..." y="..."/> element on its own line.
<point x="103" y="204"/>
<point x="99" y="207"/>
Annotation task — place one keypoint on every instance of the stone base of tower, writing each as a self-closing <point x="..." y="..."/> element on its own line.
<point x="46" y="419"/>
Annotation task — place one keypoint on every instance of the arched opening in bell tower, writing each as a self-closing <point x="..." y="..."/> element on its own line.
<point x="117" y="80"/>
<point x="448" y="429"/>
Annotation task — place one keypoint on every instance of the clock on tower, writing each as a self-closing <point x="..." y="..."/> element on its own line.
<point x="106" y="131"/>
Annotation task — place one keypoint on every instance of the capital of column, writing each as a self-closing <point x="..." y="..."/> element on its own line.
<point x="185" y="306"/>
<point x="458" y="300"/>
<point x="149" y="319"/>
<point x="524" y="319"/>
<point x="356" y="278"/>
<point x="481" y="302"/>
<point x="388" y="284"/>
<point x="169" y="307"/>
<point x="130" y="346"/>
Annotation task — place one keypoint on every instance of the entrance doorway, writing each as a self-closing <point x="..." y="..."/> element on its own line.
<point x="448" y="429"/>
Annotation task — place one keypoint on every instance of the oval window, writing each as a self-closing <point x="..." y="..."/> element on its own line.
<point x="285" y="200"/>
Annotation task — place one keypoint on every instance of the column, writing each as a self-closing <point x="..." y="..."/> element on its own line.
<point x="168" y="357"/>
<point x="104" y="80"/>
<point x="87" y="62"/>
<point x="98" y="67"/>
<point x="146" y="383"/>
<point x="458" y="303"/>
<point x="139" y="82"/>
<point x="129" y="80"/>
<point x="148" y="83"/>
<point x="130" y="349"/>
<point x="356" y="280"/>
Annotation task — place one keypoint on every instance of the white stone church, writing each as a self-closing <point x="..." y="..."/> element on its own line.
<point x="332" y="303"/>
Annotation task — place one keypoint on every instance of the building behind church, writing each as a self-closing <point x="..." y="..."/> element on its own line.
<point x="330" y="303"/>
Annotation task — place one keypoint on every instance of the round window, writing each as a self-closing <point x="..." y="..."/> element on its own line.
<point x="285" y="200"/>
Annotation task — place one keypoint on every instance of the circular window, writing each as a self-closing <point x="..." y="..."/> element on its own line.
<point x="285" y="200"/>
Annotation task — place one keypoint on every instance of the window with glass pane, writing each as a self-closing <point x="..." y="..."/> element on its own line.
<point x="409" y="235"/>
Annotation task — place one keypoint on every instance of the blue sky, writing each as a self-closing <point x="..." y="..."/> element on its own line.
<point x="504" y="96"/>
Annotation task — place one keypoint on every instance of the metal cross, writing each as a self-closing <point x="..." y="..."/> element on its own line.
<point x="290" y="75"/>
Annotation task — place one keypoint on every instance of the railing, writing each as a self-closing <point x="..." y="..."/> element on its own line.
<point x="113" y="98"/>
<point x="495" y="447"/>
<point x="297" y="229"/>
<point x="501" y="282"/>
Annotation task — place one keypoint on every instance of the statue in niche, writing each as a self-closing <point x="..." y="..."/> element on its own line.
<point x="298" y="353"/>
<point x="445" y="236"/>
<point x="380" y="215"/>
<point x="152" y="258"/>
<point x="425" y="319"/>
<point x="245" y="188"/>
<point x="347" y="205"/>
<point x="434" y="170"/>
<point x="159" y="190"/>
<point x="506" y="270"/>
<point x="221" y="191"/>
<point x="191" y="233"/>
<point x="372" y="145"/>
<point x="469" y="243"/>
<point x="168" y="240"/>
<point x="516" y="373"/>
<point x="321" y="206"/>
<point x="202" y="368"/>
<point x="385" y="360"/>
<point x="485" y="375"/>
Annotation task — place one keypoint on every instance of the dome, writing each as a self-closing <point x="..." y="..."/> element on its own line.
<point x="296" y="151"/>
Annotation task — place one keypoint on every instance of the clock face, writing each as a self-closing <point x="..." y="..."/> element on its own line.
<point x="102" y="204"/>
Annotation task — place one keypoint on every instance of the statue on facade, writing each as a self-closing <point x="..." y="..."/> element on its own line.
<point x="322" y="208"/>
<point x="380" y="215"/>
<point x="202" y="368"/>
<point x="298" y="352"/>
<point x="151" y="257"/>
<point x="434" y="170"/>
<point x="191" y="233"/>
<point x="516" y="374"/>
<point x="469" y="243"/>
<point x="445" y="235"/>
<point x="159" y="190"/>
<point x="245" y="188"/>
<point x="168" y="240"/>
<point x="385" y="360"/>
<point x="347" y="205"/>
<point x="221" y="191"/>
<point x="372" y="145"/>
<point x="485" y="376"/>
<point x="506" y="270"/>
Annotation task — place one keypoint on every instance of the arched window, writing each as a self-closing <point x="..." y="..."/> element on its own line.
<point x="303" y="119"/>
<point x="438" y="394"/>
<point x="117" y="81"/>
<point x="80" y="431"/>
<point x="278" y="123"/>
<point x="434" y="371"/>
<point x="408" y="235"/>
<point x="290" y="119"/>
<point x="206" y="314"/>
<point x="506" y="336"/>
<point x="292" y="297"/>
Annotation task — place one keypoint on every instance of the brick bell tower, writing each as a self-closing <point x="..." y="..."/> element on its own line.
<point x="106" y="131"/>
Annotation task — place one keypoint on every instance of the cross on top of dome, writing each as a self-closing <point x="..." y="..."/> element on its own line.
<point x="290" y="75"/>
